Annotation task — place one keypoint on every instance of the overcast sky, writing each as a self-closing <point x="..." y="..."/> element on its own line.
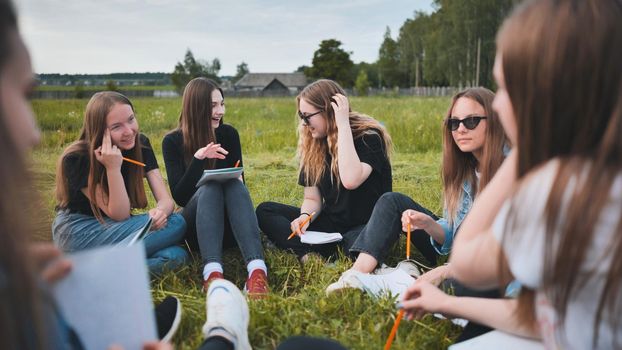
<point x="106" y="36"/>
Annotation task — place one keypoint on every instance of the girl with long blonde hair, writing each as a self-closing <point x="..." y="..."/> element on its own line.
<point x="344" y="168"/>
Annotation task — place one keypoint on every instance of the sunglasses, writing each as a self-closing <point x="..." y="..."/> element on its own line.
<point x="469" y="122"/>
<point x="305" y="117"/>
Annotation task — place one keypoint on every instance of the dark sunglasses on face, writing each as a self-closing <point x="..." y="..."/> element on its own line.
<point x="305" y="117"/>
<point x="470" y="123"/>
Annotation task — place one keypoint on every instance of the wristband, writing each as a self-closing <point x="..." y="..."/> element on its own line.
<point x="307" y="214"/>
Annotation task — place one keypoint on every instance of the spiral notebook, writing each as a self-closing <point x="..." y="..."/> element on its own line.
<point x="220" y="175"/>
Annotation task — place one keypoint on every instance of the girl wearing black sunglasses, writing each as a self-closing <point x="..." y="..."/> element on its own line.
<point x="473" y="150"/>
<point x="344" y="168"/>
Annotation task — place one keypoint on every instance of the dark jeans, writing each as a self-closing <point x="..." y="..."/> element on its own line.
<point x="291" y="343"/>
<point x="385" y="226"/>
<point x="472" y="329"/>
<point x="275" y="221"/>
<point x="216" y="207"/>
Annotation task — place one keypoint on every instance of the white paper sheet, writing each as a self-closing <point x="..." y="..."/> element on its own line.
<point x="498" y="340"/>
<point x="316" y="237"/>
<point x="106" y="297"/>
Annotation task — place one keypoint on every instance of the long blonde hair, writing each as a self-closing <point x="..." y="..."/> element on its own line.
<point x="459" y="166"/>
<point x="311" y="151"/>
<point x="90" y="139"/>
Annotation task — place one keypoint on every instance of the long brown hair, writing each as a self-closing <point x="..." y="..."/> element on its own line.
<point x="195" y="119"/>
<point x="21" y="299"/>
<point x="91" y="137"/>
<point x="565" y="84"/>
<point x="312" y="152"/>
<point x="459" y="166"/>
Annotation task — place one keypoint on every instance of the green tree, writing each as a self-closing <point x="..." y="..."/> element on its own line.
<point x="242" y="69"/>
<point x="111" y="85"/>
<point x="362" y="83"/>
<point x="78" y="90"/>
<point x="192" y="68"/>
<point x="330" y="61"/>
<point x="389" y="61"/>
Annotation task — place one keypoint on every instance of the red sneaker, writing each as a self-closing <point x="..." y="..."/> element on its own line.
<point x="257" y="284"/>
<point x="212" y="276"/>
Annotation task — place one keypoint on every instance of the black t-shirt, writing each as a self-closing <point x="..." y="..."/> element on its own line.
<point x="182" y="178"/>
<point x="76" y="167"/>
<point x="350" y="208"/>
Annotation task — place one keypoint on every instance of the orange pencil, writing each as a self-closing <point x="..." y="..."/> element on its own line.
<point x="236" y="164"/>
<point x="301" y="226"/>
<point x="408" y="242"/>
<point x="396" y="324"/>
<point x="133" y="161"/>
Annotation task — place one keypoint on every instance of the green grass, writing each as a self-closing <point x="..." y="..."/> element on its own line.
<point x="297" y="303"/>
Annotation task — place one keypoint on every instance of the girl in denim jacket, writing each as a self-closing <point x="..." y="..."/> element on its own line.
<point x="473" y="150"/>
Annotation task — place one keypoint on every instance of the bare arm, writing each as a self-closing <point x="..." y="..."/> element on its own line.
<point x="312" y="203"/>
<point x="158" y="188"/>
<point x="422" y="298"/>
<point x="476" y="252"/>
<point x="352" y="171"/>
<point x="117" y="204"/>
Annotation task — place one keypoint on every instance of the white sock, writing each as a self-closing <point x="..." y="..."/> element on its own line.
<point x="256" y="264"/>
<point x="211" y="267"/>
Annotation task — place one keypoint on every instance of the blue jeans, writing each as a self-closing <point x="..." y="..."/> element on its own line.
<point x="384" y="228"/>
<point x="216" y="204"/>
<point x="74" y="232"/>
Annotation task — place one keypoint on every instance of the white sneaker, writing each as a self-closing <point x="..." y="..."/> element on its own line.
<point x="408" y="266"/>
<point x="227" y="314"/>
<point x="347" y="280"/>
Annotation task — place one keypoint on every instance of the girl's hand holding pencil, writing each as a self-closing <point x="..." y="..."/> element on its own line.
<point x="300" y="224"/>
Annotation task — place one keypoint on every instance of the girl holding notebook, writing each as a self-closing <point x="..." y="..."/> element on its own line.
<point x="99" y="180"/>
<point x="344" y="168"/>
<point x="219" y="213"/>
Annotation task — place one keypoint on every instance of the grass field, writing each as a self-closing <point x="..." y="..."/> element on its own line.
<point x="297" y="303"/>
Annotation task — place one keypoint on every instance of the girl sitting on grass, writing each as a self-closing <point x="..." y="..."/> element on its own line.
<point x="473" y="150"/>
<point x="219" y="214"/>
<point x="344" y="168"/>
<point x="554" y="218"/>
<point x="96" y="189"/>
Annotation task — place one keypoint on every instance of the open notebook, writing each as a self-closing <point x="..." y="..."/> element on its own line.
<point x="316" y="237"/>
<point x="138" y="235"/>
<point x="220" y="175"/>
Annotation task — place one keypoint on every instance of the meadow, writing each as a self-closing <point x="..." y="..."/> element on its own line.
<point x="297" y="303"/>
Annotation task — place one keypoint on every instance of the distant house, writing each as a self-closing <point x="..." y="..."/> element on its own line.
<point x="272" y="82"/>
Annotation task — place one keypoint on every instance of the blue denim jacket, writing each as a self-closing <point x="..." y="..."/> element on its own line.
<point x="450" y="230"/>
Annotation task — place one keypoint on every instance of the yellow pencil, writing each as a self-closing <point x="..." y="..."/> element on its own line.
<point x="408" y="242"/>
<point x="396" y="324"/>
<point x="301" y="226"/>
<point x="133" y="161"/>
